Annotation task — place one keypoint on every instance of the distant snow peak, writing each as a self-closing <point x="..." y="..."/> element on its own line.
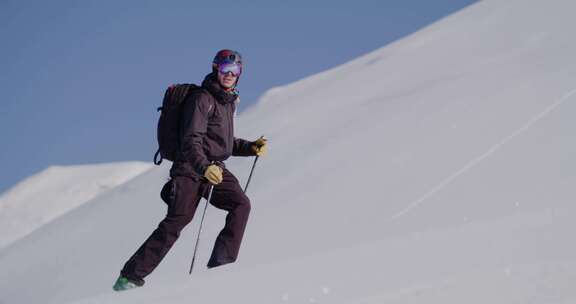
<point x="52" y="192"/>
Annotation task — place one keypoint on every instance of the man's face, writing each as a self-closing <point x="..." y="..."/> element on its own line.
<point x="227" y="80"/>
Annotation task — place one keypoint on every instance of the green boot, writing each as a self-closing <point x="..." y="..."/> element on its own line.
<point x="123" y="284"/>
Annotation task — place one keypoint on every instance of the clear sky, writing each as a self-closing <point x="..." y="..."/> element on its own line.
<point x="80" y="80"/>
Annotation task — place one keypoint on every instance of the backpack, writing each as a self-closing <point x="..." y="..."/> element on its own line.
<point x="168" y="124"/>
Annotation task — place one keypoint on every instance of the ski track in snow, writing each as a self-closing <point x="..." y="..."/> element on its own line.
<point x="415" y="204"/>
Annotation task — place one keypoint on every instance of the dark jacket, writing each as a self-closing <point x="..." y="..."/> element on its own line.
<point x="207" y="130"/>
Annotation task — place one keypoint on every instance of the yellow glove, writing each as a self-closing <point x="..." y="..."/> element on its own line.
<point x="260" y="146"/>
<point x="213" y="174"/>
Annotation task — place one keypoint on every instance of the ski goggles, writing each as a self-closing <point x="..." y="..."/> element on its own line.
<point x="233" y="68"/>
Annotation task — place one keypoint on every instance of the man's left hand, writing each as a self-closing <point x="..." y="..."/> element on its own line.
<point x="260" y="146"/>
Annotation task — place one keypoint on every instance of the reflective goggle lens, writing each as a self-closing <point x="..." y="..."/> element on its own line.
<point x="235" y="69"/>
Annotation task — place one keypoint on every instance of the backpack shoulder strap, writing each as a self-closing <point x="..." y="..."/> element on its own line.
<point x="201" y="90"/>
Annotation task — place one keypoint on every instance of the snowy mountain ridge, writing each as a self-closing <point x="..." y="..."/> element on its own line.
<point x="438" y="169"/>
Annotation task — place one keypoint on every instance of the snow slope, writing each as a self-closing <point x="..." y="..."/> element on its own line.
<point x="56" y="190"/>
<point x="438" y="169"/>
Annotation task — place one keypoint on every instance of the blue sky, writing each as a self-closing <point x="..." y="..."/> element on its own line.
<point x="81" y="80"/>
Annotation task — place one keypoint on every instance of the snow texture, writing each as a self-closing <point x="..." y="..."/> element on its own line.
<point x="437" y="169"/>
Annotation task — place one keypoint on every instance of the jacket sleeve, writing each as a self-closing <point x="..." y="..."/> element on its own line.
<point x="242" y="147"/>
<point x="193" y="126"/>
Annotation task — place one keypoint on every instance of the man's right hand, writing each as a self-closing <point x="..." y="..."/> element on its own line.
<point x="213" y="174"/>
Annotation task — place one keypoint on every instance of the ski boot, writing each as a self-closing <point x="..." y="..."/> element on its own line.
<point x="123" y="283"/>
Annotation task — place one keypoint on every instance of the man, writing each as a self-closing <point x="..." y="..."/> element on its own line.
<point x="206" y="139"/>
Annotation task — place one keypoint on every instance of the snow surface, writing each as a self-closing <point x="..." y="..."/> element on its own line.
<point x="56" y="190"/>
<point x="438" y="169"/>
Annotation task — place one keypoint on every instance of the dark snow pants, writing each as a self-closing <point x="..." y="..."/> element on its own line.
<point x="182" y="194"/>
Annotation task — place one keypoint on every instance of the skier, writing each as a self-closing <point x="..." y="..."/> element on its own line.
<point x="206" y="139"/>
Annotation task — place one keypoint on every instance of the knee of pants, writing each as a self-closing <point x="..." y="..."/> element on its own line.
<point x="245" y="205"/>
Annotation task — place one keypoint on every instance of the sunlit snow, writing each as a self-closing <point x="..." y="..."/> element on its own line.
<point x="437" y="169"/>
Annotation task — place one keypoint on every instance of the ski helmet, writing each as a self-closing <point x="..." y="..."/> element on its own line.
<point x="227" y="56"/>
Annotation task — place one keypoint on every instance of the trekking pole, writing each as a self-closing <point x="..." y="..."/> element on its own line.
<point x="251" y="171"/>
<point x="200" y="230"/>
